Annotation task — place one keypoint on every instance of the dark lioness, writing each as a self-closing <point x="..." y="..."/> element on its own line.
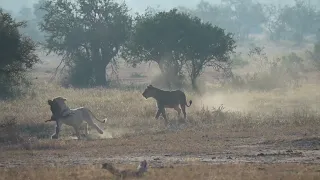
<point x="167" y="99"/>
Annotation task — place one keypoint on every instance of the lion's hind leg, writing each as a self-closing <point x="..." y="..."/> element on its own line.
<point x="77" y="130"/>
<point x="177" y="108"/>
<point x="88" y="117"/>
<point x="97" y="128"/>
<point x="86" y="129"/>
<point x="92" y="124"/>
<point x="183" y="107"/>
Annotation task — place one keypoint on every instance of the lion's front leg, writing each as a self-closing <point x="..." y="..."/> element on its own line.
<point x="77" y="130"/>
<point x="58" y="128"/>
<point x="158" y="114"/>
<point x="159" y="107"/>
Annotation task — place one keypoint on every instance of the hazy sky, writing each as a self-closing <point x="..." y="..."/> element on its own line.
<point x="136" y="5"/>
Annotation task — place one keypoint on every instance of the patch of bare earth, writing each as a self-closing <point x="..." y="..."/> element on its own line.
<point x="168" y="147"/>
<point x="192" y="171"/>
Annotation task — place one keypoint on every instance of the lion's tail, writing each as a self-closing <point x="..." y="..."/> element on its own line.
<point x="102" y="121"/>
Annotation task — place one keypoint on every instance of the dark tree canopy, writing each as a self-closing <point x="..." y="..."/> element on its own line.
<point x="17" y="53"/>
<point x="206" y="45"/>
<point x="177" y="41"/>
<point x="88" y="33"/>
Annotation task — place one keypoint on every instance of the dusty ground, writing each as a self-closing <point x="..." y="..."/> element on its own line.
<point x="210" y="146"/>
<point x="262" y="153"/>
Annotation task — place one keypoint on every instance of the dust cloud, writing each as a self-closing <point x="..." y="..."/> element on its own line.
<point x="109" y="133"/>
<point x="231" y="101"/>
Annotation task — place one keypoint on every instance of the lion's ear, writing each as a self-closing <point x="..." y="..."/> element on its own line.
<point x="64" y="99"/>
<point x="150" y="86"/>
<point x="50" y="102"/>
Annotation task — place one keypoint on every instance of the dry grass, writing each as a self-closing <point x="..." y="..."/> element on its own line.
<point x="188" y="172"/>
<point x="128" y="109"/>
<point x="129" y="113"/>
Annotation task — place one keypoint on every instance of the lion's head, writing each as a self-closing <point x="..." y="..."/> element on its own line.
<point x="57" y="105"/>
<point x="150" y="91"/>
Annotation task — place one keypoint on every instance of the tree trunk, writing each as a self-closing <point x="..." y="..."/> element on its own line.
<point x="164" y="74"/>
<point x="161" y="67"/>
<point x="100" y="74"/>
<point x="194" y="84"/>
<point x="194" y="75"/>
<point x="99" y="65"/>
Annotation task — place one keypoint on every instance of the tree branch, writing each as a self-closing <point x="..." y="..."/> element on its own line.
<point x="56" y="71"/>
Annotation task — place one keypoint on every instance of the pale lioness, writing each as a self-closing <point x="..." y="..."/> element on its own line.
<point x="167" y="99"/>
<point x="62" y="114"/>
